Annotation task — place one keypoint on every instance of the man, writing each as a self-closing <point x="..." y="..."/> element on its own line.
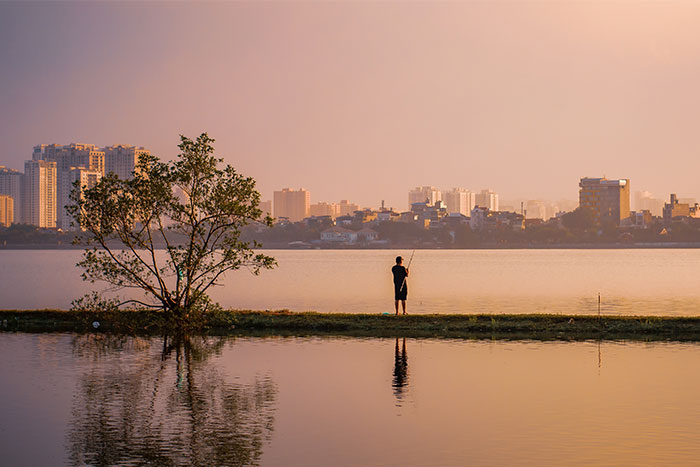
<point x="400" y="286"/>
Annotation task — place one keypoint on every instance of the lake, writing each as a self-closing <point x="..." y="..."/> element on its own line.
<point x="630" y="281"/>
<point x="69" y="399"/>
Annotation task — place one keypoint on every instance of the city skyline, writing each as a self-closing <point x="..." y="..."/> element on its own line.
<point x="366" y="99"/>
<point x="88" y="162"/>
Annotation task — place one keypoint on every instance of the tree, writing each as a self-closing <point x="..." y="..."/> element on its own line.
<point x="190" y="208"/>
<point x="579" y="218"/>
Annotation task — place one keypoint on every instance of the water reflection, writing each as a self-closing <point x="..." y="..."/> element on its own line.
<point x="400" y="380"/>
<point x="136" y="404"/>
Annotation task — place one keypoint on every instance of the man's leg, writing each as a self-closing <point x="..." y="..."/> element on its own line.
<point x="396" y="305"/>
<point x="403" y="305"/>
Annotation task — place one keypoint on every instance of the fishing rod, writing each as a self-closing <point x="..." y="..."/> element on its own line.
<point x="407" y="268"/>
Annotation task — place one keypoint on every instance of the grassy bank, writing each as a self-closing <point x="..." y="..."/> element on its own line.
<point x="542" y="327"/>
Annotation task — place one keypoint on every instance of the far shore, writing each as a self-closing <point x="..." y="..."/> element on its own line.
<point x="286" y="323"/>
<point x="486" y="246"/>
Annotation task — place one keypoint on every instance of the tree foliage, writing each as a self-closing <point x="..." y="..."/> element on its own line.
<point x="579" y="218"/>
<point x="190" y="208"/>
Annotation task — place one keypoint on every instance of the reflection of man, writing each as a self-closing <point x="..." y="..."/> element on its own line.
<point x="400" y="286"/>
<point x="400" y="369"/>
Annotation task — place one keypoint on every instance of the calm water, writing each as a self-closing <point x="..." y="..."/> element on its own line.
<point x="654" y="282"/>
<point x="97" y="400"/>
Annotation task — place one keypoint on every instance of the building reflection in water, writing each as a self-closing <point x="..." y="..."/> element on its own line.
<point x="400" y="380"/>
<point x="137" y="405"/>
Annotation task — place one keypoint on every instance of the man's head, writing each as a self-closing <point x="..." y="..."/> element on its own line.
<point x="399" y="260"/>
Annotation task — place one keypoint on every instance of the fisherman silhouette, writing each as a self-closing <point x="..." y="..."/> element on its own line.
<point x="400" y="286"/>
<point x="400" y="380"/>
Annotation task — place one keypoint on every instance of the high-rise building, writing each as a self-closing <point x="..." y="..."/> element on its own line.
<point x="39" y="193"/>
<point x="324" y="209"/>
<point x="608" y="200"/>
<point x="645" y="201"/>
<point x="424" y="194"/>
<point x="11" y="185"/>
<point x="71" y="155"/>
<point x="459" y="200"/>
<point x="67" y="157"/>
<point x="487" y="199"/>
<point x="88" y="178"/>
<point x="346" y="208"/>
<point x="7" y="206"/>
<point x="121" y="159"/>
<point x="292" y="204"/>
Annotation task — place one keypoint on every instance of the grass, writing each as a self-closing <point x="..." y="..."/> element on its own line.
<point x="484" y="326"/>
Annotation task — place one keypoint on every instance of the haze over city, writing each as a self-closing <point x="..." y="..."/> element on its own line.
<point x="364" y="101"/>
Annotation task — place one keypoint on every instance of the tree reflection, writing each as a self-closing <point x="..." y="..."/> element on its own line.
<point x="400" y="380"/>
<point x="142" y="404"/>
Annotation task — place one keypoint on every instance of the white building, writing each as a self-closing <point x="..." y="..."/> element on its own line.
<point x="121" y="159"/>
<point x="39" y="193"/>
<point x="11" y="185"/>
<point x="367" y="235"/>
<point x="338" y="235"/>
<point x="87" y="178"/>
<point x="459" y="200"/>
<point x="423" y="194"/>
<point x="487" y="199"/>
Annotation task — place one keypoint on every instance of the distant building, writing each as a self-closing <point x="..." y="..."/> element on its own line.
<point x="387" y="215"/>
<point x="292" y="204"/>
<point x="266" y="207"/>
<point x="459" y="200"/>
<point x="71" y="155"/>
<point x="338" y="234"/>
<point x="645" y="201"/>
<point x="122" y="159"/>
<point x="325" y="209"/>
<point x="367" y="235"/>
<point x="87" y="178"/>
<point x="538" y="209"/>
<point x="484" y="219"/>
<point x="39" y="193"/>
<point x="640" y="219"/>
<point x="675" y="208"/>
<point x="608" y="200"/>
<point x="11" y="185"/>
<point x="477" y="218"/>
<point x="7" y="206"/>
<point x="344" y="220"/>
<point x="66" y="158"/>
<point x="428" y="215"/>
<point x="424" y="194"/>
<point x="487" y="199"/>
<point x="346" y="208"/>
<point x="365" y="215"/>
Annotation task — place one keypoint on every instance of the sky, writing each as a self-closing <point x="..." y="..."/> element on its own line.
<point x="365" y="100"/>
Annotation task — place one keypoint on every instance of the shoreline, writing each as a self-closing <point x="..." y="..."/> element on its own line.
<point x="524" y="246"/>
<point x="286" y="323"/>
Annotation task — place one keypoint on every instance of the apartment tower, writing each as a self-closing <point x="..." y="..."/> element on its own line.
<point x="608" y="200"/>
<point x="121" y="159"/>
<point x="11" y="185"/>
<point x="39" y="193"/>
<point x="292" y="204"/>
<point x="459" y="200"/>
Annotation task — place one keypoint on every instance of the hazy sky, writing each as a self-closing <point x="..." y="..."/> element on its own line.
<point x="363" y="100"/>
